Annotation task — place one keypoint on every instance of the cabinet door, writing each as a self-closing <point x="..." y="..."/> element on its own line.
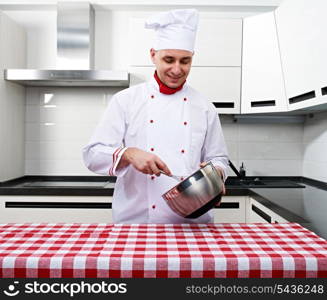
<point x="231" y="210"/>
<point x="55" y="209"/>
<point x="262" y="79"/>
<point x="257" y="213"/>
<point x="221" y="85"/>
<point x="301" y="27"/>
<point x="12" y="100"/>
<point x="218" y="42"/>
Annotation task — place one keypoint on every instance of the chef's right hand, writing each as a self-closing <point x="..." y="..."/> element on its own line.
<point x="143" y="161"/>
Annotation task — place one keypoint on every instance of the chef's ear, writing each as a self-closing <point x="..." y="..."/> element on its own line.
<point x="152" y="55"/>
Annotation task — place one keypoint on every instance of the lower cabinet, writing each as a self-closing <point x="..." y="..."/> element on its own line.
<point x="231" y="210"/>
<point x="97" y="209"/>
<point x="258" y="213"/>
<point x="55" y="209"/>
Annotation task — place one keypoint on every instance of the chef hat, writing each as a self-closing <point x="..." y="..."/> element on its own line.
<point x="175" y="29"/>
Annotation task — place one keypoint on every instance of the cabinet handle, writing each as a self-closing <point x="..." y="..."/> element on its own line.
<point x="324" y="90"/>
<point x="263" y="103"/>
<point x="302" y="97"/>
<point x="87" y="205"/>
<point x="261" y="213"/>
<point x="229" y="205"/>
<point x="223" y="104"/>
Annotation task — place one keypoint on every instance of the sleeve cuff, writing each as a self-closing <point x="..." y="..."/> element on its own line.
<point x="222" y="168"/>
<point x="115" y="161"/>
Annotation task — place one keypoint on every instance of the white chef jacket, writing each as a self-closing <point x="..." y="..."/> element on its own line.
<point x="182" y="129"/>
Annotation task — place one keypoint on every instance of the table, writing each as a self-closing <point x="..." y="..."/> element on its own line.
<point x="75" y="250"/>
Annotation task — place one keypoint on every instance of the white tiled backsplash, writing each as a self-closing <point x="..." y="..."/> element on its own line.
<point x="60" y="121"/>
<point x="265" y="149"/>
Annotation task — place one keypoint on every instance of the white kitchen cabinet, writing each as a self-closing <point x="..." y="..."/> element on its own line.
<point x="258" y="213"/>
<point x="231" y="210"/>
<point x="301" y="28"/>
<point x="12" y="100"/>
<point x="21" y="214"/>
<point x="218" y="42"/>
<point x="263" y="89"/>
<point x="221" y="85"/>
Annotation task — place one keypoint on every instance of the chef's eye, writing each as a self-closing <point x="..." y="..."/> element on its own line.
<point x="185" y="61"/>
<point x="168" y="60"/>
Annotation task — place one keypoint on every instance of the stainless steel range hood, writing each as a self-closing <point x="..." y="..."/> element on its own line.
<point x="75" y="54"/>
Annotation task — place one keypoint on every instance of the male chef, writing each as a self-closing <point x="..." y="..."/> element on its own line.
<point x="160" y="125"/>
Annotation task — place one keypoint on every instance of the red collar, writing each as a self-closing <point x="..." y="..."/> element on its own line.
<point x="166" y="89"/>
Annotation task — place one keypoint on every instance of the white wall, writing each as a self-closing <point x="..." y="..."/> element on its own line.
<point x="315" y="147"/>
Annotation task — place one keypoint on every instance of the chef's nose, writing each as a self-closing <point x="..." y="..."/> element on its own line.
<point x="176" y="70"/>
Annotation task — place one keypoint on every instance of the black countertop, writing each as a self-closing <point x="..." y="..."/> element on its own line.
<point x="307" y="206"/>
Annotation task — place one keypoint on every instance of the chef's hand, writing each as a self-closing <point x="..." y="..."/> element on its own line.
<point x="221" y="173"/>
<point x="143" y="161"/>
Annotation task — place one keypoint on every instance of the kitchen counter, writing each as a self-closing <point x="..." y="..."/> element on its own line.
<point x="306" y="206"/>
<point x="161" y="251"/>
<point x="309" y="203"/>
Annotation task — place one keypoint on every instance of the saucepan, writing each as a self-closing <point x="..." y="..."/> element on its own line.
<point x="196" y="194"/>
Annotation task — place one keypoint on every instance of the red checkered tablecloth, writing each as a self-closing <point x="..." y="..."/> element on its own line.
<point x="165" y="250"/>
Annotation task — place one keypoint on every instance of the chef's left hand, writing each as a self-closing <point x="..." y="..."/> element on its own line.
<point x="220" y="172"/>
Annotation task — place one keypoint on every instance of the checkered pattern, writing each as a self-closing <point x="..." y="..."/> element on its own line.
<point x="161" y="250"/>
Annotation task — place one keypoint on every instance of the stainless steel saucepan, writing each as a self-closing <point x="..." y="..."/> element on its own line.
<point x="196" y="194"/>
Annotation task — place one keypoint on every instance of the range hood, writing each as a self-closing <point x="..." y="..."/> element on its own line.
<point x="75" y="54"/>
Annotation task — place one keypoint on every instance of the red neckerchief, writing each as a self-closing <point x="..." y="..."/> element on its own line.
<point x="166" y="89"/>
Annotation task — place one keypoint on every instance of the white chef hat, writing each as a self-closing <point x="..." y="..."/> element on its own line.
<point x="175" y="29"/>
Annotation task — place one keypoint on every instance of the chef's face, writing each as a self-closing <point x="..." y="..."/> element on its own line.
<point x="173" y="66"/>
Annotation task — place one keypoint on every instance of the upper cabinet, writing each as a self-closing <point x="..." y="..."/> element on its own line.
<point x="218" y="42"/>
<point x="12" y="44"/>
<point x="12" y="100"/>
<point x="301" y="28"/>
<point x="220" y="85"/>
<point x="262" y="79"/>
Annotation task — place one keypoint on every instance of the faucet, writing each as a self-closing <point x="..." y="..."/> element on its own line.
<point x="240" y="174"/>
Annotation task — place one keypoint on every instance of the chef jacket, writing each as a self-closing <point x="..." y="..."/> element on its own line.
<point x="182" y="129"/>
